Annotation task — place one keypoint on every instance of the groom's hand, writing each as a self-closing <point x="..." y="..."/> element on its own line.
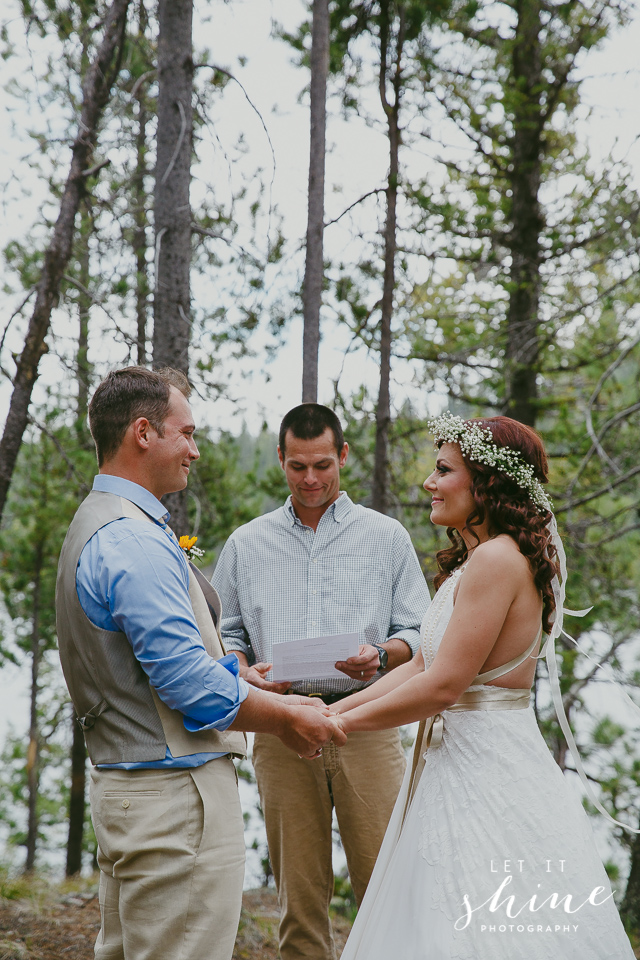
<point x="306" y="731"/>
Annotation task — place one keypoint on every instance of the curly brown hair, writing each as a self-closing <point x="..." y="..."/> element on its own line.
<point x="508" y="509"/>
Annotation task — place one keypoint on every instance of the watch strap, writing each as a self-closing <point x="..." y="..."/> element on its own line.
<point x="382" y="654"/>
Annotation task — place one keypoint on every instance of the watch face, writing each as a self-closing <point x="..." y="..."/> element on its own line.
<point x="383" y="656"/>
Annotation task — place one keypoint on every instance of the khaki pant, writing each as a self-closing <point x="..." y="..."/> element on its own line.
<point x="361" y="780"/>
<point x="171" y="856"/>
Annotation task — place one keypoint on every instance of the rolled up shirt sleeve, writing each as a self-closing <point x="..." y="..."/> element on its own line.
<point x="140" y="582"/>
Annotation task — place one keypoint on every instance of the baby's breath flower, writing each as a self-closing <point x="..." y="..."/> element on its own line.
<point x="477" y="444"/>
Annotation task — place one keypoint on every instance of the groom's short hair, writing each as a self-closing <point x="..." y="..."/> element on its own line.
<point x="124" y="396"/>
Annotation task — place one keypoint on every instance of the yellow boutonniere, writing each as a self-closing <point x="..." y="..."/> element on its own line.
<point x="188" y="545"/>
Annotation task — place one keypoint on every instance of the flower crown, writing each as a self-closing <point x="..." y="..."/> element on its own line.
<point x="477" y="444"/>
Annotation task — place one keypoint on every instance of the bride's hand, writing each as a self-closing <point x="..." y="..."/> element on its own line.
<point x="298" y="700"/>
<point x="339" y="722"/>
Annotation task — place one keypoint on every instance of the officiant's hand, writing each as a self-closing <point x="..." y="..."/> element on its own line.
<point x="364" y="666"/>
<point x="256" y="674"/>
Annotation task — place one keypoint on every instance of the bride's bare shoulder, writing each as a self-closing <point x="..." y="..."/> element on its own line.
<point x="495" y="574"/>
<point x="499" y="552"/>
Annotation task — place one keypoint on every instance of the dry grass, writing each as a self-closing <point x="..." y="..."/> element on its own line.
<point x="44" y="921"/>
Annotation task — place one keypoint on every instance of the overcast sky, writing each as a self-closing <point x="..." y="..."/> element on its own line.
<point x="357" y="162"/>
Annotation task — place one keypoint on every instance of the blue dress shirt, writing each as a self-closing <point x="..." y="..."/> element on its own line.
<point x="133" y="577"/>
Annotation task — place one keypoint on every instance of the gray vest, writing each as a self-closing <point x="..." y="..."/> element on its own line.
<point x="123" y="718"/>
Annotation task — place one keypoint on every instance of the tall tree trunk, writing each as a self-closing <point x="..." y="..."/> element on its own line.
<point x="140" y="234"/>
<point x="77" y="798"/>
<point x="523" y="347"/>
<point x="78" y="756"/>
<point x="140" y="243"/>
<point x="96" y="89"/>
<point x="33" y="750"/>
<point x="314" y="265"/>
<point x="83" y="367"/>
<point x="380" y="489"/>
<point x="172" y="210"/>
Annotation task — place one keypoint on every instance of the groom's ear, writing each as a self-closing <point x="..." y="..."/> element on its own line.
<point x="140" y="432"/>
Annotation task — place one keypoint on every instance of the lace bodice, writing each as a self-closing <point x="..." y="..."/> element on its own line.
<point x="437" y="617"/>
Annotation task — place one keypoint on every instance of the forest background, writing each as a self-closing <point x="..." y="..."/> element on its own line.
<point x="472" y="243"/>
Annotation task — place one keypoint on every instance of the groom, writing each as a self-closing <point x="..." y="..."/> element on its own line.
<point x="159" y="702"/>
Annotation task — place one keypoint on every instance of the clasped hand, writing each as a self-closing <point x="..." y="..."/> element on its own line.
<point x="313" y="726"/>
<point x="308" y="730"/>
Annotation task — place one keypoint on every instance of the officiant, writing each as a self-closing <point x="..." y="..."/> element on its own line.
<point x="318" y="566"/>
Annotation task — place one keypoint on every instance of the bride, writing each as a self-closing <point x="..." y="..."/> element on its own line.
<point x="489" y="853"/>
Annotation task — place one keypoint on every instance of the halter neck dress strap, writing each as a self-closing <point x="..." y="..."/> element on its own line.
<point x="490" y="675"/>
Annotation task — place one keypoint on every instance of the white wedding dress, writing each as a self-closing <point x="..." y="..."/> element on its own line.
<point x="491" y="818"/>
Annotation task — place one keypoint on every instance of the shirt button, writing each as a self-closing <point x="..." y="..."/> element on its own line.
<point x="313" y="623"/>
<point x="314" y="591"/>
<point x="314" y="561"/>
<point x="125" y="804"/>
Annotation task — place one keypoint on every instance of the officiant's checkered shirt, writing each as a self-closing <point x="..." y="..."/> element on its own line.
<point x="358" y="573"/>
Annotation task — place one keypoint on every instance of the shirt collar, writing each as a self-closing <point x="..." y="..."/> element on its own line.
<point x="338" y="509"/>
<point x="143" y="498"/>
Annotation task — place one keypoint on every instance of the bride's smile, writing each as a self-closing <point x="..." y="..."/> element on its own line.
<point x="450" y="488"/>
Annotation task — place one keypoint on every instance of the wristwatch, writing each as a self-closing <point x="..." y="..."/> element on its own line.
<point x="382" y="654"/>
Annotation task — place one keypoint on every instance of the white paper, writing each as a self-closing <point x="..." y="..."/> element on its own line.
<point x="313" y="658"/>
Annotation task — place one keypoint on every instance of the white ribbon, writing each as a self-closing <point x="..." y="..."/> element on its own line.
<point x="559" y="589"/>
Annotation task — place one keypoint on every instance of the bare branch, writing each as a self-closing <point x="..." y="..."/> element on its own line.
<point x="83" y="486"/>
<point x="212" y="66"/>
<point x="174" y="156"/>
<point x="141" y="79"/>
<point x="159" y="237"/>
<point x="598" y="493"/>
<point x="81" y="287"/>
<point x="96" y="168"/>
<point x="594" y="396"/>
<point x="364" y="196"/>
<point x="603" y="429"/>
<point x="573" y="694"/>
<point x="13" y="316"/>
<point x="612" y="536"/>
